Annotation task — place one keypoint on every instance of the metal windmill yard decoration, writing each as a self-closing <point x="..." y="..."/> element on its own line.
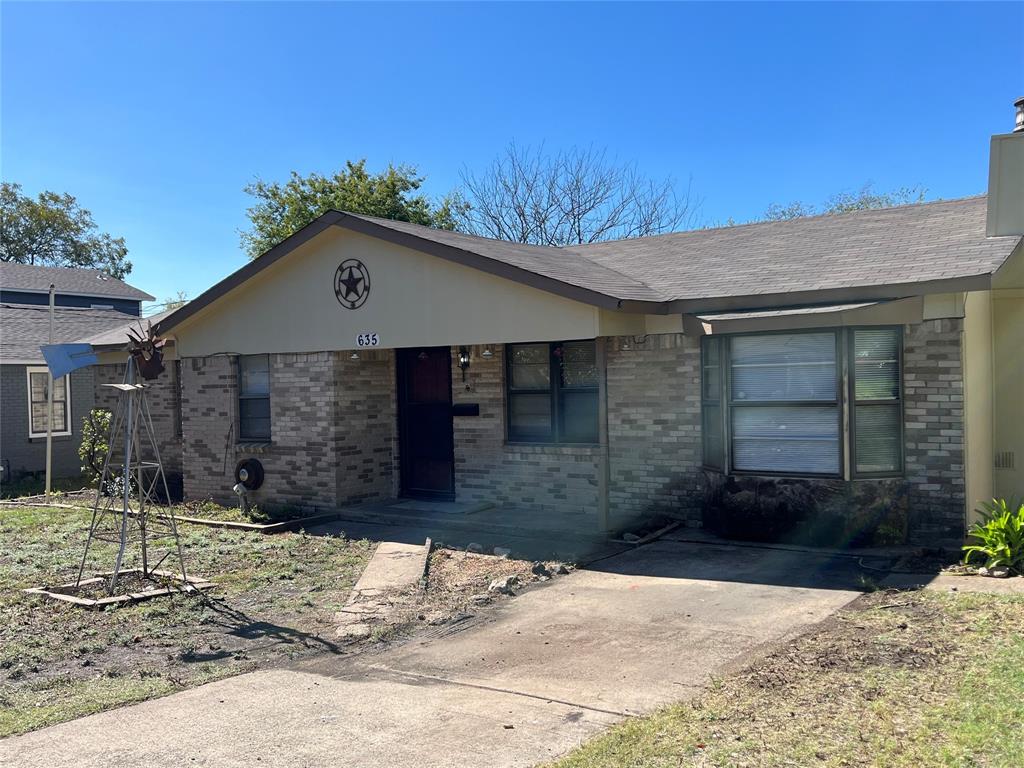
<point x="133" y="502"/>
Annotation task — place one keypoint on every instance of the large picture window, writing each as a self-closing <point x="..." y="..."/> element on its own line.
<point x="773" y="403"/>
<point x="254" y="397"/>
<point x="552" y="392"/>
<point x="38" y="408"/>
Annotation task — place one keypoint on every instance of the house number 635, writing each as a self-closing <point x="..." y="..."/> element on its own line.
<point x="368" y="340"/>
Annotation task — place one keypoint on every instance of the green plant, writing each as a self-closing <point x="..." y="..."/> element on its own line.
<point x="95" y="442"/>
<point x="999" y="535"/>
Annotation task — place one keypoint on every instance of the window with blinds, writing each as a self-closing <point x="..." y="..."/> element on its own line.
<point x="784" y="403"/>
<point x="38" y="403"/>
<point x="254" y="397"/>
<point x="876" y="411"/>
<point x="773" y="403"/>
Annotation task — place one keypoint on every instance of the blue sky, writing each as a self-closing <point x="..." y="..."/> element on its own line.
<point x="156" y="115"/>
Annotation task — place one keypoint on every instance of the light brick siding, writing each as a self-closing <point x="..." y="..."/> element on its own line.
<point x="163" y="397"/>
<point x="367" y="426"/>
<point x="208" y="413"/>
<point x="334" y="439"/>
<point x="933" y="387"/>
<point x="333" y="429"/>
<point x="561" y="479"/>
<point x="654" y="426"/>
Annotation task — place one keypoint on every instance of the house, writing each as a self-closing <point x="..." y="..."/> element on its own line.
<point x="86" y="302"/>
<point x="73" y="287"/>
<point x="848" y="378"/>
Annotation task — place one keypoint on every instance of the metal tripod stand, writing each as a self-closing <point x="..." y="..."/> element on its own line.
<point x="128" y="509"/>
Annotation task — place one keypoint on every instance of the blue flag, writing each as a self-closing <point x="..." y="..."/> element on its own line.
<point x="65" y="358"/>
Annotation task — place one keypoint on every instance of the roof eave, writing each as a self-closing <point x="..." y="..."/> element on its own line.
<point x="822" y="296"/>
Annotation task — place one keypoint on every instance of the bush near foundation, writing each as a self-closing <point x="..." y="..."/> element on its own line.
<point x="998" y="537"/>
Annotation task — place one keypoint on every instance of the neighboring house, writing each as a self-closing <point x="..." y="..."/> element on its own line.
<point x="90" y="288"/>
<point x="850" y="378"/>
<point x="24" y="328"/>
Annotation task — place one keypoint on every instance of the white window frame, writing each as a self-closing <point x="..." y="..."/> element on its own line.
<point x="29" y="370"/>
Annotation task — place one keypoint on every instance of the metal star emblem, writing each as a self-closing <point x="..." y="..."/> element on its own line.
<point x="352" y="283"/>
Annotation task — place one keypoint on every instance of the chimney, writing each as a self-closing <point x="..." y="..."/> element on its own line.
<point x="1006" y="179"/>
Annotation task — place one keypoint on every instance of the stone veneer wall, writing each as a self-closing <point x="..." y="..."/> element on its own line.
<point x="332" y="430"/>
<point x="559" y="478"/>
<point x="654" y="422"/>
<point x="164" y="398"/>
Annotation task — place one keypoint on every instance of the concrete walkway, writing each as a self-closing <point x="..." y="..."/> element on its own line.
<point x="513" y="687"/>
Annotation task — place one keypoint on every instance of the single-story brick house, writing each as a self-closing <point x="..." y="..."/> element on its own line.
<point x="856" y="376"/>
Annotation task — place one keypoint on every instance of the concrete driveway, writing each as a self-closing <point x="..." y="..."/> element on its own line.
<point x="513" y="687"/>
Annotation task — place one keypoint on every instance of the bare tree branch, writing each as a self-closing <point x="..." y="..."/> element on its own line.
<point x="569" y="198"/>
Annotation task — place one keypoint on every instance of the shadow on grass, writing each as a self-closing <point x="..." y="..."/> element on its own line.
<point x="238" y="623"/>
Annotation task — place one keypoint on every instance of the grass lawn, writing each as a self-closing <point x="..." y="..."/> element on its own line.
<point x="275" y="599"/>
<point x="897" y="680"/>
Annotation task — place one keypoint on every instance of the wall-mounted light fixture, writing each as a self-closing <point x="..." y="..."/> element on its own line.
<point x="354" y="356"/>
<point x="487" y="354"/>
<point x="464" y="361"/>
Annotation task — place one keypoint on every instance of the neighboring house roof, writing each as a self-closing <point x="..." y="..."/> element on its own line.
<point x="857" y="256"/>
<point x="70" y="281"/>
<point x="117" y="337"/>
<point x="24" y="328"/>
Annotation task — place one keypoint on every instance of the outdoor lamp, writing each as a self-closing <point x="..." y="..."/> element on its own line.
<point x="487" y="354"/>
<point x="464" y="361"/>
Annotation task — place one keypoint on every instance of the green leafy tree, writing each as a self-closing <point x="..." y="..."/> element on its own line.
<point x="844" y="202"/>
<point x="283" y="209"/>
<point x="54" y="230"/>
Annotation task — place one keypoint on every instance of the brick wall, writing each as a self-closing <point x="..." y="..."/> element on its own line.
<point x="933" y="390"/>
<point x="367" y="427"/>
<point x="654" y="426"/>
<point x="163" y="397"/>
<point x="536" y="477"/>
<point x="334" y="438"/>
<point x="208" y="415"/>
<point x="332" y="430"/>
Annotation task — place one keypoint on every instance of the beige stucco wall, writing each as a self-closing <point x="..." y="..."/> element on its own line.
<point x="978" y="399"/>
<point x="415" y="300"/>
<point x="1008" y="382"/>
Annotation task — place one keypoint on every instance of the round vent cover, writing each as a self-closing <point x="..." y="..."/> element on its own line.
<point x="249" y="473"/>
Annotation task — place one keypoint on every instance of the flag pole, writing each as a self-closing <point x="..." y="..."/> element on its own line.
<point x="49" y="408"/>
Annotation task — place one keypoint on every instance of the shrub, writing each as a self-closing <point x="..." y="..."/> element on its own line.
<point x="999" y="536"/>
<point x="95" y="443"/>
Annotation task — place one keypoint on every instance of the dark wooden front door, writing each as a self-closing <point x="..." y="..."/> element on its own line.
<point x="426" y="446"/>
